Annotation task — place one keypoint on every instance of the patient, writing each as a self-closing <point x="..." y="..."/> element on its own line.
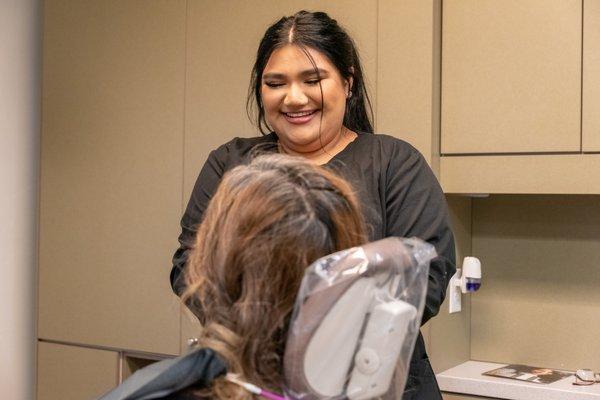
<point x="266" y="223"/>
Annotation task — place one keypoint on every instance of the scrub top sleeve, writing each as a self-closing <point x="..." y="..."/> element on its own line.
<point x="416" y="206"/>
<point x="204" y="188"/>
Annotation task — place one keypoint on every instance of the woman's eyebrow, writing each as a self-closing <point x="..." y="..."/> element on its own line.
<point x="305" y="73"/>
<point x="313" y="71"/>
<point x="273" y="75"/>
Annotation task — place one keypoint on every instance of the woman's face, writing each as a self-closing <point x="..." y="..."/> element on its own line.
<point x="291" y="97"/>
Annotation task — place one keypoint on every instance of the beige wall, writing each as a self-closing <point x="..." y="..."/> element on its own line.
<point x="450" y="334"/>
<point x="19" y="140"/>
<point x="539" y="303"/>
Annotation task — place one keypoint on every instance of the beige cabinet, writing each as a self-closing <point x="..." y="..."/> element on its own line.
<point x="511" y="76"/>
<point x="517" y="115"/>
<point x="591" y="76"/>
<point x="523" y="174"/>
<point x="70" y="372"/>
<point x="408" y="73"/>
<point x="190" y="328"/>
<point x="111" y="180"/>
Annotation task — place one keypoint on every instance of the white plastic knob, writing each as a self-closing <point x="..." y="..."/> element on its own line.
<point x="367" y="361"/>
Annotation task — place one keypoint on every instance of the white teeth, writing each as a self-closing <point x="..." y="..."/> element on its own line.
<point x="299" y="114"/>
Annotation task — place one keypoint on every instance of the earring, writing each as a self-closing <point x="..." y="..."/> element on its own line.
<point x="349" y="94"/>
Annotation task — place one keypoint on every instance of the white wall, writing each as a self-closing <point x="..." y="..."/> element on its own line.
<point x="20" y="58"/>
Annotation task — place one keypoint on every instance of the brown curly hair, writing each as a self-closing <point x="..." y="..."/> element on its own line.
<point x="265" y="224"/>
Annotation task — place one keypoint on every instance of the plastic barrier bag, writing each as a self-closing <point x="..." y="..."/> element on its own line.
<point x="355" y="322"/>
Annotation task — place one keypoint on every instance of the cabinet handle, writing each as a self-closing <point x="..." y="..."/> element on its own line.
<point x="191" y="342"/>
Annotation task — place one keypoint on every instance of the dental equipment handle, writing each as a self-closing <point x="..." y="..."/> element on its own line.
<point x="269" y="395"/>
<point x="253" y="388"/>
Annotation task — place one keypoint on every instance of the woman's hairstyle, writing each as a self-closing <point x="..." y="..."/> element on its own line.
<point x="266" y="223"/>
<point x="318" y="31"/>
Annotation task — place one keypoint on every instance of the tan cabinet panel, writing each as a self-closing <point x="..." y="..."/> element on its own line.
<point x="220" y="58"/>
<point x="591" y="76"/>
<point x="408" y="72"/>
<point x="511" y="76"/>
<point x="548" y="173"/>
<point x="190" y="328"/>
<point x="111" y="180"/>
<point x="70" y="372"/>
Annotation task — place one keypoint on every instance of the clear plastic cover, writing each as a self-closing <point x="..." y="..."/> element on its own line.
<point x="355" y="322"/>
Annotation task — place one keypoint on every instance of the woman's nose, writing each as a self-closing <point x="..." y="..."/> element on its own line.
<point x="295" y="96"/>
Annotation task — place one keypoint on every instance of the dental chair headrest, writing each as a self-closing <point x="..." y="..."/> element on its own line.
<point x="355" y="321"/>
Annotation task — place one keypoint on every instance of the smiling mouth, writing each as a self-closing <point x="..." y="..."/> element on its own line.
<point x="299" y="114"/>
<point x="299" y="117"/>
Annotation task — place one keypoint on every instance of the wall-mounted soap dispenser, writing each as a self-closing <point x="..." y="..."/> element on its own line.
<point x="466" y="280"/>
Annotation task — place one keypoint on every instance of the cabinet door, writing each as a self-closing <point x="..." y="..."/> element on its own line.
<point x="111" y="180"/>
<point x="591" y="76"/>
<point x="190" y="329"/>
<point x="70" y="372"/>
<point x="408" y="73"/>
<point x="511" y="76"/>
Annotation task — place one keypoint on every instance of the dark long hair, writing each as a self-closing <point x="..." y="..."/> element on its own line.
<point x="265" y="224"/>
<point x="318" y="31"/>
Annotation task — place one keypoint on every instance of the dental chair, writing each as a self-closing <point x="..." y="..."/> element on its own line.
<point x="351" y="336"/>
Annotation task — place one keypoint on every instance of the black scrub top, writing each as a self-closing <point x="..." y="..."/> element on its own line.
<point x="399" y="195"/>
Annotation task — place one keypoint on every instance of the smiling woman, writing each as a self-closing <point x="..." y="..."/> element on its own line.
<point x="309" y="98"/>
<point x="308" y="86"/>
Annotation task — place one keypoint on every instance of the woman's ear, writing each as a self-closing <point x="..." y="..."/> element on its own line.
<point x="350" y="82"/>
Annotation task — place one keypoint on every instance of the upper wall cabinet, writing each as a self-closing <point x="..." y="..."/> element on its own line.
<point x="408" y="73"/>
<point x="511" y="76"/>
<point x="591" y="76"/>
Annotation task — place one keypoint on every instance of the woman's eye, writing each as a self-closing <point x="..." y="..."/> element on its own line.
<point x="313" y="81"/>
<point x="273" y="84"/>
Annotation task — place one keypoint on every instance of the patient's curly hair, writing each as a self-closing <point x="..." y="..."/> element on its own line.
<point x="265" y="224"/>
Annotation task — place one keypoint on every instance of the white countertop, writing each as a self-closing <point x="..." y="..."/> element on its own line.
<point x="467" y="378"/>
